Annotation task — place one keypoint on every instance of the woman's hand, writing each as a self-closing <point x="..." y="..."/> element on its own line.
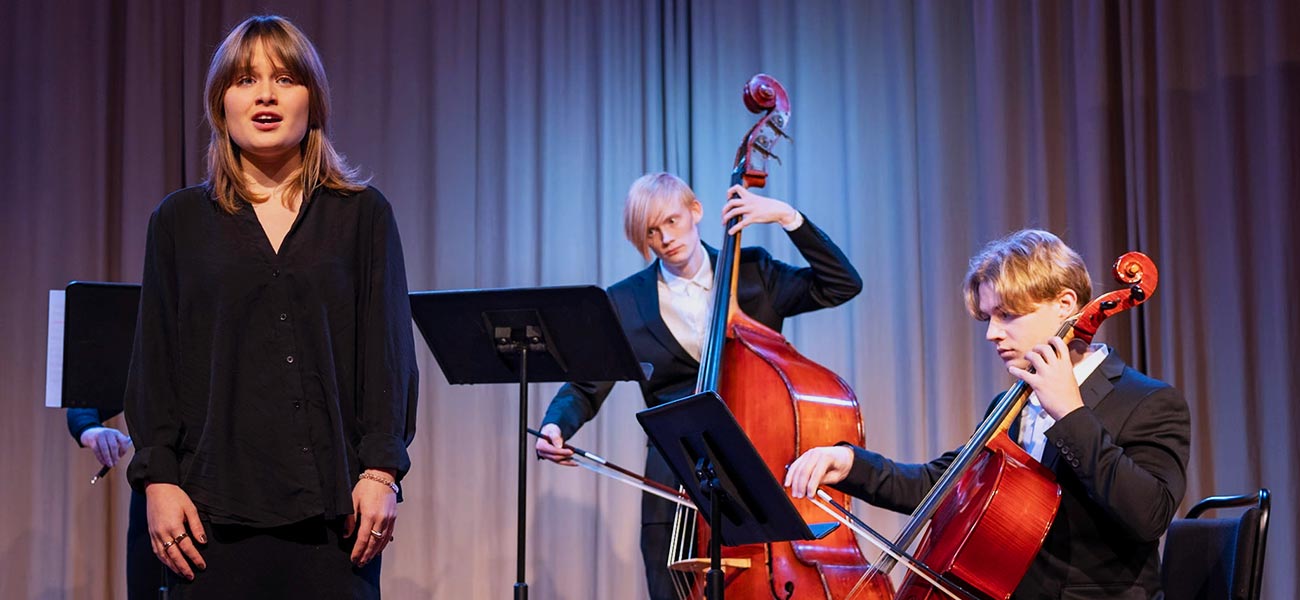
<point x="374" y="507"/>
<point x="753" y="208"/>
<point x="107" y="443"/>
<point x="173" y="527"/>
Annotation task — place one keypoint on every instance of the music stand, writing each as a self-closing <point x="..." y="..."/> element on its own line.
<point x="96" y="338"/>
<point x="525" y="335"/>
<point x="723" y="473"/>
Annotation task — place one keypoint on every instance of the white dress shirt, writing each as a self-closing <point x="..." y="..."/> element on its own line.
<point x="684" y="304"/>
<point x="1034" y="421"/>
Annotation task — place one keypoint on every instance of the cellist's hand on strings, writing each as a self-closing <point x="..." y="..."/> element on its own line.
<point x="818" y="467"/>
<point x="1053" y="377"/>
<point x="552" y="447"/>
<point x="752" y="208"/>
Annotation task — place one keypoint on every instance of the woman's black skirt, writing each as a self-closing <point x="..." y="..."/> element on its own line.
<point x="310" y="559"/>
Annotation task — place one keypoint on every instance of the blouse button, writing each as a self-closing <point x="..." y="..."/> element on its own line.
<point x="284" y="317"/>
<point x="275" y="273"/>
<point x="289" y="359"/>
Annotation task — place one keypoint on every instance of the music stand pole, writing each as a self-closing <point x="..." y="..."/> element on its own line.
<point x="521" y="587"/>
<point x="714" y="579"/>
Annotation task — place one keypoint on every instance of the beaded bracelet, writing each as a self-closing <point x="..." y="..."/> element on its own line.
<point x="371" y="476"/>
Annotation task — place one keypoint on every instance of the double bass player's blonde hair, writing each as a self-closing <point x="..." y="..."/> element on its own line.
<point x="1026" y="268"/>
<point x="646" y="200"/>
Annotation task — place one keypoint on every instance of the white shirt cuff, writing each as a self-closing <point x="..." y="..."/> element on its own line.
<point x="797" y="223"/>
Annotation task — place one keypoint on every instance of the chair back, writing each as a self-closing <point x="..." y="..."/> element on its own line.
<point x="1217" y="558"/>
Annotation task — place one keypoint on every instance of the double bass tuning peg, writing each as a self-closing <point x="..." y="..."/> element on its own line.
<point x="776" y="124"/>
<point x="761" y="146"/>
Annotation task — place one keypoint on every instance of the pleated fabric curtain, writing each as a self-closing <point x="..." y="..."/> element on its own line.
<point x="506" y="132"/>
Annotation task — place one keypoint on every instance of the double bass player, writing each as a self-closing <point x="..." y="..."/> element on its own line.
<point x="664" y="309"/>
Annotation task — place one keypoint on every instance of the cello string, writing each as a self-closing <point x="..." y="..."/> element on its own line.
<point x="845" y="516"/>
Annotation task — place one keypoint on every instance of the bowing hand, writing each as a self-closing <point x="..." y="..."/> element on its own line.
<point x="818" y="467"/>
<point x="551" y="447"/>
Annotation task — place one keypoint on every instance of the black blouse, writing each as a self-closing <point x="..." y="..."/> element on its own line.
<point x="264" y="383"/>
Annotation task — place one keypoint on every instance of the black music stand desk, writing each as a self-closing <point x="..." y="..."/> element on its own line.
<point x="725" y="476"/>
<point x="525" y="335"/>
<point x="98" y="332"/>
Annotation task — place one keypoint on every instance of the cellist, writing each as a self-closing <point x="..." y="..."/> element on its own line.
<point x="664" y="309"/>
<point x="1117" y="440"/>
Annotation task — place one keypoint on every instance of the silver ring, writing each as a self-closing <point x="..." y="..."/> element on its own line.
<point x="376" y="534"/>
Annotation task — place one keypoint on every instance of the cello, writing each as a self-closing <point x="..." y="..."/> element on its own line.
<point x="986" y="517"/>
<point x="783" y="401"/>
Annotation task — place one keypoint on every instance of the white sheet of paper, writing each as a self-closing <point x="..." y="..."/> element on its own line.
<point x="54" y="352"/>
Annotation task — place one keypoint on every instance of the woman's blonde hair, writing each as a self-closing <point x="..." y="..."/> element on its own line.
<point x="287" y="48"/>
<point x="1026" y="268"/>
<point x="646" y="200"/>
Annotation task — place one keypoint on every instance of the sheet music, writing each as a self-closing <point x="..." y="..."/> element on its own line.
<point x="54" y="352"/>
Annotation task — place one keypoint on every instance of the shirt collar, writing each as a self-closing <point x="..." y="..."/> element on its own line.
<point x="703" y="276"/>
<point x="1084" y="368"/>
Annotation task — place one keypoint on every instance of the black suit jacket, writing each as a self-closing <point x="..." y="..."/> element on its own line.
<point x="768" y="290"/>
<point x="1121" y="462"/>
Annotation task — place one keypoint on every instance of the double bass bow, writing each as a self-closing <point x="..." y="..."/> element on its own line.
<point x="783" y="401"/>
<point x="986" y="518"/>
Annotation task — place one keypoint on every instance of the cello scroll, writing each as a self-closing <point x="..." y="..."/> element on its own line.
<point x="1133" y="268"/>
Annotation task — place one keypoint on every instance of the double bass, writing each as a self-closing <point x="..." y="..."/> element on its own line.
<point x="783" y="401"/>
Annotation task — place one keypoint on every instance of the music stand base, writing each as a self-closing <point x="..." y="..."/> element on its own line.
<point x="715" y="579"/>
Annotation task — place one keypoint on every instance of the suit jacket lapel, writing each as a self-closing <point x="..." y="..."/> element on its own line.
<point x="646" y="291"/>
<point x="1097" y="386"/>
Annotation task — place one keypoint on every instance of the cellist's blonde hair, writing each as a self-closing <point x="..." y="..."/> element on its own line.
<point x="288" y="48"/>
<point x="1026" y="268"/>
<point x="648" y="197"/>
